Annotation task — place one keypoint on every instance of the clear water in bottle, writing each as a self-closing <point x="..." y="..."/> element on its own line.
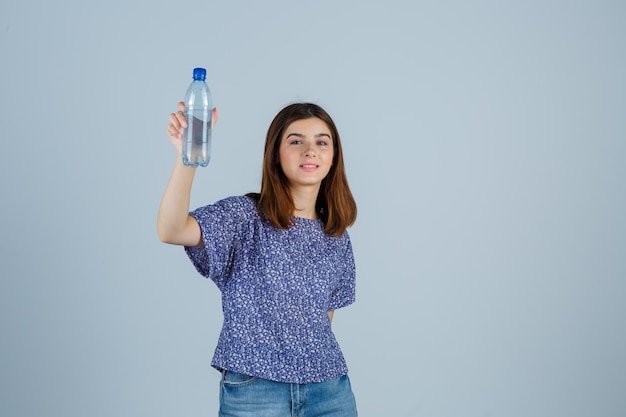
<point x="198" y="111"/>
<point x="197" y="138"/>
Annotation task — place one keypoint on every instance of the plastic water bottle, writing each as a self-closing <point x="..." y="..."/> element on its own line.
<point x="198" y="111"/>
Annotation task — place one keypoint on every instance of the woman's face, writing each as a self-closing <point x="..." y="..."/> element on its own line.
<point x="306" y="152"/>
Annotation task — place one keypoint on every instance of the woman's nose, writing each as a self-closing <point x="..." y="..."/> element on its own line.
<point x="310" y="152"/>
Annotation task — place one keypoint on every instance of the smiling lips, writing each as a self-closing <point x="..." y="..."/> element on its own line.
<point x="309" y="167"/>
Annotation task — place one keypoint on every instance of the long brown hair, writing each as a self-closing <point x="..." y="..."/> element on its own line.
<point x="335" y="205"/>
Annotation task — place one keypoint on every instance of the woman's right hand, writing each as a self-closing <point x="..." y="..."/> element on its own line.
<point x="178" y="122"/>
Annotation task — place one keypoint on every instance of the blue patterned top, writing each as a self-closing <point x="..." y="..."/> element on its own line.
<point x="277" y="288"/>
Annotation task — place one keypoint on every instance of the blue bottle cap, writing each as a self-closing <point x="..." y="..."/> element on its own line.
<point x="199" y="74"/>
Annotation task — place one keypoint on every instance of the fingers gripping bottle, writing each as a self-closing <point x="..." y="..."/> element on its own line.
<point x="198" y="111"/>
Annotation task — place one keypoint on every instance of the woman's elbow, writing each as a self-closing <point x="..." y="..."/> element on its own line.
<point x="165" y="235"/>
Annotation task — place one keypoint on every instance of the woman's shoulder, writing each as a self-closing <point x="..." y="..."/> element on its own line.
<point x="237" y="200"/>
<point x="238" y="204"/>
<point x="228" y="212"/>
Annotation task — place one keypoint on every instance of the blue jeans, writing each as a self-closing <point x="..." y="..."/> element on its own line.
<point x="248" y="396"/>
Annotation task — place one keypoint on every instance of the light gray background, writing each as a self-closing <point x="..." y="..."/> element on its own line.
<point x="484" y="144"/>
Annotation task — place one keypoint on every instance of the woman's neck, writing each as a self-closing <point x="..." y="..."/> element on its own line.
<point x="304" y="199"/>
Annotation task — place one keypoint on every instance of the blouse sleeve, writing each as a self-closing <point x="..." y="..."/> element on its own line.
<point x="220" y="224"/>
<point x="344" y="293"/>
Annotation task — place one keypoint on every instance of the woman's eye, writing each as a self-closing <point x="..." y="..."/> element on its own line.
<point x="322" y="143"/>
<point x="295" y="142"/>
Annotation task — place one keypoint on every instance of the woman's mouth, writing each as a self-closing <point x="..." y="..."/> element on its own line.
<point x="309" y="167"/>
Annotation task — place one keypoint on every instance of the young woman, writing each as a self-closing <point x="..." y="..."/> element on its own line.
<point x="283" y="262"/>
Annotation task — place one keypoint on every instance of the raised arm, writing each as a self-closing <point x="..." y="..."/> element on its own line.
<point x="174" y="224"/>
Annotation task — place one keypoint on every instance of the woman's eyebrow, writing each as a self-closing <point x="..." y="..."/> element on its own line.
<point x="299" y="135"/>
